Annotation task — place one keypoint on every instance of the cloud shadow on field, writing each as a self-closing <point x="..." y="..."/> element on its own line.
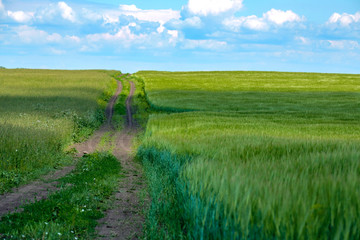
<point x="338" y="104"/>
<point x="54" y="103"/>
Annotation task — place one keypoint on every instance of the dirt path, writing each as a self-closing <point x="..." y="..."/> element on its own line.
<point x="40" y="189"/>
<point x="91" y="144"/>
<point x="125" y="219"/>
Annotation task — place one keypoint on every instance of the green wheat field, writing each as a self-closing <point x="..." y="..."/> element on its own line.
<point x="253" y="155"/>
<point x="227" y="155"/>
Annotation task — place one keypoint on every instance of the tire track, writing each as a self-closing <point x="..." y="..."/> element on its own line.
<point x="39" y="189"/>
<point x="91" y="144"/>
<point x="125" y="219"/>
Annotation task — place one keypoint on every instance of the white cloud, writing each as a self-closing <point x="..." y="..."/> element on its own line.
<point x="123" y="35"/>
<point x="20" y="16"/>
<point x="280" y="17"/>
<point x="205" y="44"/>
<point x="66" y="11"/>
<point x="29" y="34"/>
<point x="55" y="37"/>
<point x="213" y="7"/>
<point x="90" y="15"/>
<point x="125" y="38"/>
<point x="57" y="51"/>
<point x="110" y="18"/>
<point x="343" y="44"/>
<point x="344" y="19"/>
<point x="174" y="35"/>
<point x="160" y="29"/>
<point x="194" y="22"/>
<point x="250" y="22"/>
<point x="272" y="17"/>
<point x="73" y="38"/>
<point x="2" y="8"/>
<point x="161" y="16"/>
<point x="303" y="40"/>
<point x="130" y="8"/>
<point x="35" y="36"/>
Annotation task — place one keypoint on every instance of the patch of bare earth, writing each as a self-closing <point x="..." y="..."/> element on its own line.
<point x="125" y="219"/>
<point x="37" y="190"/>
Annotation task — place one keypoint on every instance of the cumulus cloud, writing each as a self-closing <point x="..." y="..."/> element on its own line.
<point x="303" y="40"/>
<point x="344" y="19"/>
<point x="280" y="17"/>
<point x="90" y="15"/>
<point x="193" y="22"/>
<point x="2" y="8"/>
<point x="66" y="11"/>
<point x="17" y="16"/>
<point x="273" y="17"/>
<point x="343" y="44"/>
<point x="205" y="44"/>
<point x="73" y="38"/>
<point x="250" y="22"/>
<point x="57" y="51"/>
<point x="174" y="36"/>
<point x="212" y="7"/>
<point x="20" y="16"/>
<point x="123" y="35"/>
<point x="32" y="35"/>
<point x="161" y="16"/>
<point x="110" y="18"/>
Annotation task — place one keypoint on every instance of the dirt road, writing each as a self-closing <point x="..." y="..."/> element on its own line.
<point x="124" y="220"/>
<point x="40" y="189"/>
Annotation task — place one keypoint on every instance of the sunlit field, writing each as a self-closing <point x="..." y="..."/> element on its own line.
<point x="255" y="155"/>
<point x="41" y="113"/>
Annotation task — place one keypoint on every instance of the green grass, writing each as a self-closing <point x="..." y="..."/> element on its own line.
<point x="140" y="105"/>
<point x="41" y="113"/>
<point x="120" y="106"/>
<point x="277" y="159"/>
<point x="255" y="92"/>
<point x="73" y="211"/>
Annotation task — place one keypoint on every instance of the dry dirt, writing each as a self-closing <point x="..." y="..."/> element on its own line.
<point x="40" y="189"/>
<point x="125" y="219"/>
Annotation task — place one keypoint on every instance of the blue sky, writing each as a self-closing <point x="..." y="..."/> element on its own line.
<point x="128" y="35"/>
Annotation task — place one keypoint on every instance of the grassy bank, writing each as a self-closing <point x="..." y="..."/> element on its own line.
<point x="42" y="112"/>
<point x="278" y="158"/>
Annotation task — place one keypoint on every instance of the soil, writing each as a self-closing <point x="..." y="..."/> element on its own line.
<point x="37" y="190"/>
<point x="91" y="144"/>
<point x="125" y="219"/>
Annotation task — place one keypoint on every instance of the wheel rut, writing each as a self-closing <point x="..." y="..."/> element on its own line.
<point x="125" y="219"/>
<point x="40" y="189"/>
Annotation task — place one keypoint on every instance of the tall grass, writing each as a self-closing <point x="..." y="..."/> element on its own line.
<point x="42" y="112"/>
<point x="263" y="173"/>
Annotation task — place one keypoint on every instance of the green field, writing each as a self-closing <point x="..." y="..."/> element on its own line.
<point x="255" y="155"/>
<point x="41" y="113"/>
